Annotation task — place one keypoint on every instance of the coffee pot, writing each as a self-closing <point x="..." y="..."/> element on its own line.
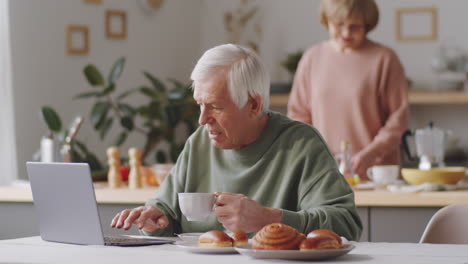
<point x="430" y="146"/>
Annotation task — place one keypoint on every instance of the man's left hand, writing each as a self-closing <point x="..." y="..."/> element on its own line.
<point x="239" y="212"/>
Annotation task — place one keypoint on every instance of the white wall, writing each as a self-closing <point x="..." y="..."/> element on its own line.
<point x="164" y="43"/>
<point x="292" y="25"/>
<point x="168" y="43"/>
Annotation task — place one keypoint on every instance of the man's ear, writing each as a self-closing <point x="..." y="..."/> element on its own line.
<point x="255" y="103"/>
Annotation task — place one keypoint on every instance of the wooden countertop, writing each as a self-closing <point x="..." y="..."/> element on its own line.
<point x="104" y="195"/>
<point x="372" y="198"/>
<point x="415" y="97"/>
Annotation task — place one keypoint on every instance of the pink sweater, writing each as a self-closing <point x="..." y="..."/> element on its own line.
<point x="360" y="97"/>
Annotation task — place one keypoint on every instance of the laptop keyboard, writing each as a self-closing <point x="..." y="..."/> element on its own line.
<point x="129" y="241"/>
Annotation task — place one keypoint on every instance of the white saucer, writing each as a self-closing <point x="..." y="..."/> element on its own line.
<point x="193" y="247"/>
<point x="295" y="254"/>
<point x="189" y="236"/>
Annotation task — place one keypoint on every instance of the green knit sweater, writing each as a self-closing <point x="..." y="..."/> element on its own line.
<point x="288" y="167"/>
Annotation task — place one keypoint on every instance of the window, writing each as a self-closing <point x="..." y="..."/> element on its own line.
<point x="7" y="135"/>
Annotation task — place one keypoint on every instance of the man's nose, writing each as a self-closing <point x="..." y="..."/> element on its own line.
<point x="203" y="119"/>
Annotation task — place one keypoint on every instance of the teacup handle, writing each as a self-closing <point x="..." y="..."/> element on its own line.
<point x="215" y="197"/>
<point x="369" y="174"/>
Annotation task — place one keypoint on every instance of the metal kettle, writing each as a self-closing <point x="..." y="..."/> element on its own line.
<point x="430" y="146"/>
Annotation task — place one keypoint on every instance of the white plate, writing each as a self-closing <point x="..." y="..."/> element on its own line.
<point x="193" y="247"/>
<point x="189" y="236"/>
<point x="295" y="254"/>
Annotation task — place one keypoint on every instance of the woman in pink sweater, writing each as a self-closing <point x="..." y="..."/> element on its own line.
<point x="351" y="88"/>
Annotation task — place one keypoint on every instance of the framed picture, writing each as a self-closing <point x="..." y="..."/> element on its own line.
<point x="97" y="2"/>
<point x="77" y="39"/>
<point x="416" y="24"/>
<point x="116" y="24"/>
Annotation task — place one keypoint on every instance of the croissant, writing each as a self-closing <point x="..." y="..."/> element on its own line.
<point x="277" y="236"/>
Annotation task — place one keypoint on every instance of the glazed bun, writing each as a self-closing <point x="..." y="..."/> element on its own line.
<point x="277" y="236"/>
<point x="239" y="238"/>
<point x="321" y="239"/>
<point x="324" y="232"/>
<point x="214" y="239"/>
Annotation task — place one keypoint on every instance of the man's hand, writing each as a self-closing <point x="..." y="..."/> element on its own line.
<point x="148" y="218"/>
<point x="237" y="211"/>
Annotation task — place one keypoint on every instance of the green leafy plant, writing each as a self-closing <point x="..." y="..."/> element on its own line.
<point x="156" y="120"/>
<point x="291" y="61"/>
<point x="80" y="153"/>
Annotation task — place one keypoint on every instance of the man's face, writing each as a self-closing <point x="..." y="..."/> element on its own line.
<point x="226" y="124"/>
<point x="348" y="33"/>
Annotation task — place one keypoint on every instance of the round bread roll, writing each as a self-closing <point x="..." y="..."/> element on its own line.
<point x="277" y="236"/>
<point x="324" y="232"/>
<point x="214" y="239"/>
<point x="239" y="238"/>
<point x="321" y="239"/>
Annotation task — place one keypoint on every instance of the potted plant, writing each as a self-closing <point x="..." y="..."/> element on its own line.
<point x="156" y="119"/>
<point x="290" y="64"/>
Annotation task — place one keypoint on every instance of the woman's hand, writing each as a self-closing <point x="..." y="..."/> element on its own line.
<point x="363" y="160"/>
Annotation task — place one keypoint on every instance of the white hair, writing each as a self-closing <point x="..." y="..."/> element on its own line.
<point x="246" y="74"/>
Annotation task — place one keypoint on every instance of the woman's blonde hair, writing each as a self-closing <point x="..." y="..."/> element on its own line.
<point x="366" y="10"/>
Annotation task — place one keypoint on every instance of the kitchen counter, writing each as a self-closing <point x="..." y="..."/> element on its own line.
<point x="379" y="210"/>
<point x="368" y="198"/>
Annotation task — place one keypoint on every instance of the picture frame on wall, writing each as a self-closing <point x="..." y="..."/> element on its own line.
<point x="77" y="39"/>
<point x="116" y="24"/>
<point x="416" y="24"/>
<point x="96" y="2"/>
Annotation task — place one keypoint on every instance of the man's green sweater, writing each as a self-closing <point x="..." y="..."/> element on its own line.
<point x="288" y="167"/>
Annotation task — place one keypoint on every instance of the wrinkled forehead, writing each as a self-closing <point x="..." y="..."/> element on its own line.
<point x="210" y="89"/>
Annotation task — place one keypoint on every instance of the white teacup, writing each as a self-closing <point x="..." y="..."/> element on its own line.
<point x="196" y="206"/>
<point x="383" y="174"/>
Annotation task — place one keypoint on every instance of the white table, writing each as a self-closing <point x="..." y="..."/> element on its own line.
<point x="34" y="250"/>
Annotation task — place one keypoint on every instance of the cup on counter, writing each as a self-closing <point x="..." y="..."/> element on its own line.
<point x="196" y="206"/>
<point x="383" y="174"/>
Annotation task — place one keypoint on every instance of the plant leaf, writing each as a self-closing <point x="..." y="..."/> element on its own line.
<point x="86" y="95"/>
<point x="157" y="84"/>
<point x="99" y="113"/>
<point x="108" y="90"/>
<point x="105" y="128"/>
<point x="51" y="118"/>
<point x="127" y="109"/>
<point x="117" y="70"/>
<point x="93" y="75"/>
<point x="173" y="115"/>
<point x="148" y="92"/>
<point x="160" y="157"/>
<point x="127" y="122"/>
<point x="93" y="161"/>
<point x="81" y="146"/>
<point x="126" y="93"/>
<point x="120" y="139"/>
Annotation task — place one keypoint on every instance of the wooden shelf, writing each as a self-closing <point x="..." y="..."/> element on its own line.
<point x="414" y="98"/>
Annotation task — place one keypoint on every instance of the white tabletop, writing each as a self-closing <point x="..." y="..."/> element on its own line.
<point x="34" y="250"/>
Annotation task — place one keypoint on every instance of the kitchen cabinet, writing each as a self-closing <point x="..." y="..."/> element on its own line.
<point x="414" y="98"/>
<point x="386" y="216"/>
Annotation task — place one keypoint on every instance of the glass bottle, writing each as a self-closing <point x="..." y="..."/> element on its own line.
<point x="345" y="166"/>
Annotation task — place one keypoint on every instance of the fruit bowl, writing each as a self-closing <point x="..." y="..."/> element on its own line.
<point x="441" y="175"/>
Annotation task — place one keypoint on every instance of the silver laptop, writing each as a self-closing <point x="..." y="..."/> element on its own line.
<point x="66" y="206"/>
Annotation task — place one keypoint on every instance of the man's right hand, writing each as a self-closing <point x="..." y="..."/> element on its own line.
<point x="148" y="218"/>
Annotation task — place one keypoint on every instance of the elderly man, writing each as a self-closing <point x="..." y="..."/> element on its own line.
<point x="265" y="167"/>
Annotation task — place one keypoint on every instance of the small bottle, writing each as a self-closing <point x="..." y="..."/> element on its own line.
<point x="345" y="166"/>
